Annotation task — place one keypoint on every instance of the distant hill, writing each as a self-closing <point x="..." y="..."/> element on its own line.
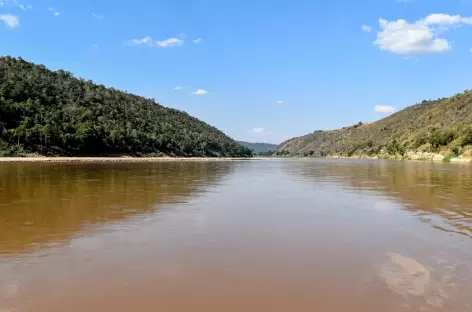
<point x="442" y="126"/>
<point x="53" y="113"/>
<point x="259" y="147"/>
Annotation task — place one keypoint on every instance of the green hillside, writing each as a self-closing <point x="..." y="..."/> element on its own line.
<point x="260" y="148"/>
<point x="443" y="126"/>
<point x="52" y="113"/>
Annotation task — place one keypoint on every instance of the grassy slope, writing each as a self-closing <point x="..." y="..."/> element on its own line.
<point x="432" y="126"/>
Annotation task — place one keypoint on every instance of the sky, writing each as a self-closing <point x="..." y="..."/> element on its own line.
<point x="259" y="70"/>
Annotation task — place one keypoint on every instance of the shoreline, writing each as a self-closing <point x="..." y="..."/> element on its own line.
<point x="115" y="159"/>
<point x="411" y="156"/>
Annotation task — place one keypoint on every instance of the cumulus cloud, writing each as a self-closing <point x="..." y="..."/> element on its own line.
<point x="96" y="15"/>
<point x="169" y="43"/>
<point x="445" y="19"/>
<point x="384" y="109"/>
<point x="366" y="28"/>
<point x="198" y="40"/>
<point x="11" y="21"/>
<point x="200" y="92"/>
<point x="422" y="36"/>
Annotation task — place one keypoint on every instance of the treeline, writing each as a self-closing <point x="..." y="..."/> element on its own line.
<point x="443" y="126"/>
<point x="53" y="113"/>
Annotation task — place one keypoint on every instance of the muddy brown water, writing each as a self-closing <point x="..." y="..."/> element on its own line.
<point x="278" y="235"/>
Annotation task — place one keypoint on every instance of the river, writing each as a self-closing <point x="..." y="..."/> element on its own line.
<point x="274" y="235"/>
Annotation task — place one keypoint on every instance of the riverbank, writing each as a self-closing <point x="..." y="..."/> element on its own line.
<point x="418" y="156"/>
<point x="115" y="159"/>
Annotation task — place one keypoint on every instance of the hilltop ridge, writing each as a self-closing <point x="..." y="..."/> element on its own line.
<point x="55" y="114"/>
<point x="442" y="126"/>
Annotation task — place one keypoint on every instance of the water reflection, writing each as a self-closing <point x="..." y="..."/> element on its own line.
<point x="429" y="190"/>
<point x="290" y="235"/>
<point x="47" y="204"/>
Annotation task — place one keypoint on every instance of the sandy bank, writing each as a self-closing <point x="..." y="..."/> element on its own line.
<point x="116" y="159"/>
<point x="419" y="156"/>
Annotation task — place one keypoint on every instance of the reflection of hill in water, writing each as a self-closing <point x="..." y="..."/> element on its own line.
<point x="50" y="203"/>
<point x="428" y="189"/>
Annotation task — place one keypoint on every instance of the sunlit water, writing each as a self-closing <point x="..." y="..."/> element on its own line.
<point x="278" y="235"/>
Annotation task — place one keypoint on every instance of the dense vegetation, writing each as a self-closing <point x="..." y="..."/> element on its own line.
<point x="443" y="126"/>
<point x="52" y="113"/>
<point x="260" y="149"/>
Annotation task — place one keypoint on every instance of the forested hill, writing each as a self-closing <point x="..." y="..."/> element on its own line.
<point x="259" y="147"/>
<point x="53" y="113"/>
<point x="442" y="126"/>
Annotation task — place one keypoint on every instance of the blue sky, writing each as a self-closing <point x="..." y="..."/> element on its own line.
<point x="258" y="70"/>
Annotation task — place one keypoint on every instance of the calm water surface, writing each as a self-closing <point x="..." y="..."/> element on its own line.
<point x="281" y="235"/>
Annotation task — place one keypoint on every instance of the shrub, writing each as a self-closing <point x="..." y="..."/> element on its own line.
<point x="425" y="148"/>
<point x="466" y="137"/>
<point x="449" y="155"/>
<point x="441" y="138"/>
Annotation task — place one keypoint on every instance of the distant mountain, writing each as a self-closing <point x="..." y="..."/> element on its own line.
<point x="259" y="147"/>
<point x="53" y="113"/>
<point x="443" y="126"/>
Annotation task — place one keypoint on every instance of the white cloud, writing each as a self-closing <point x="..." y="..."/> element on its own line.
<point x="18" y="4"/>
<point x="97" y="15"/>
<point x="280" y="102"/>
<point x="178" y="88"/>
<point x="384" y="109"/>
<point x="261" y="132"/>
<point x="422" y="36"/>
<point x="167" y="43"/>
<point x="366" y="28"/>
<point x="54" y="12"/>
<point x="198" y="40"/>
<point x="144" y="40"/>
<point x="445" y="19"/>
<point x="200" y="92"/>
<point x="11" y="21"/>
<point x="170" y="42"/>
